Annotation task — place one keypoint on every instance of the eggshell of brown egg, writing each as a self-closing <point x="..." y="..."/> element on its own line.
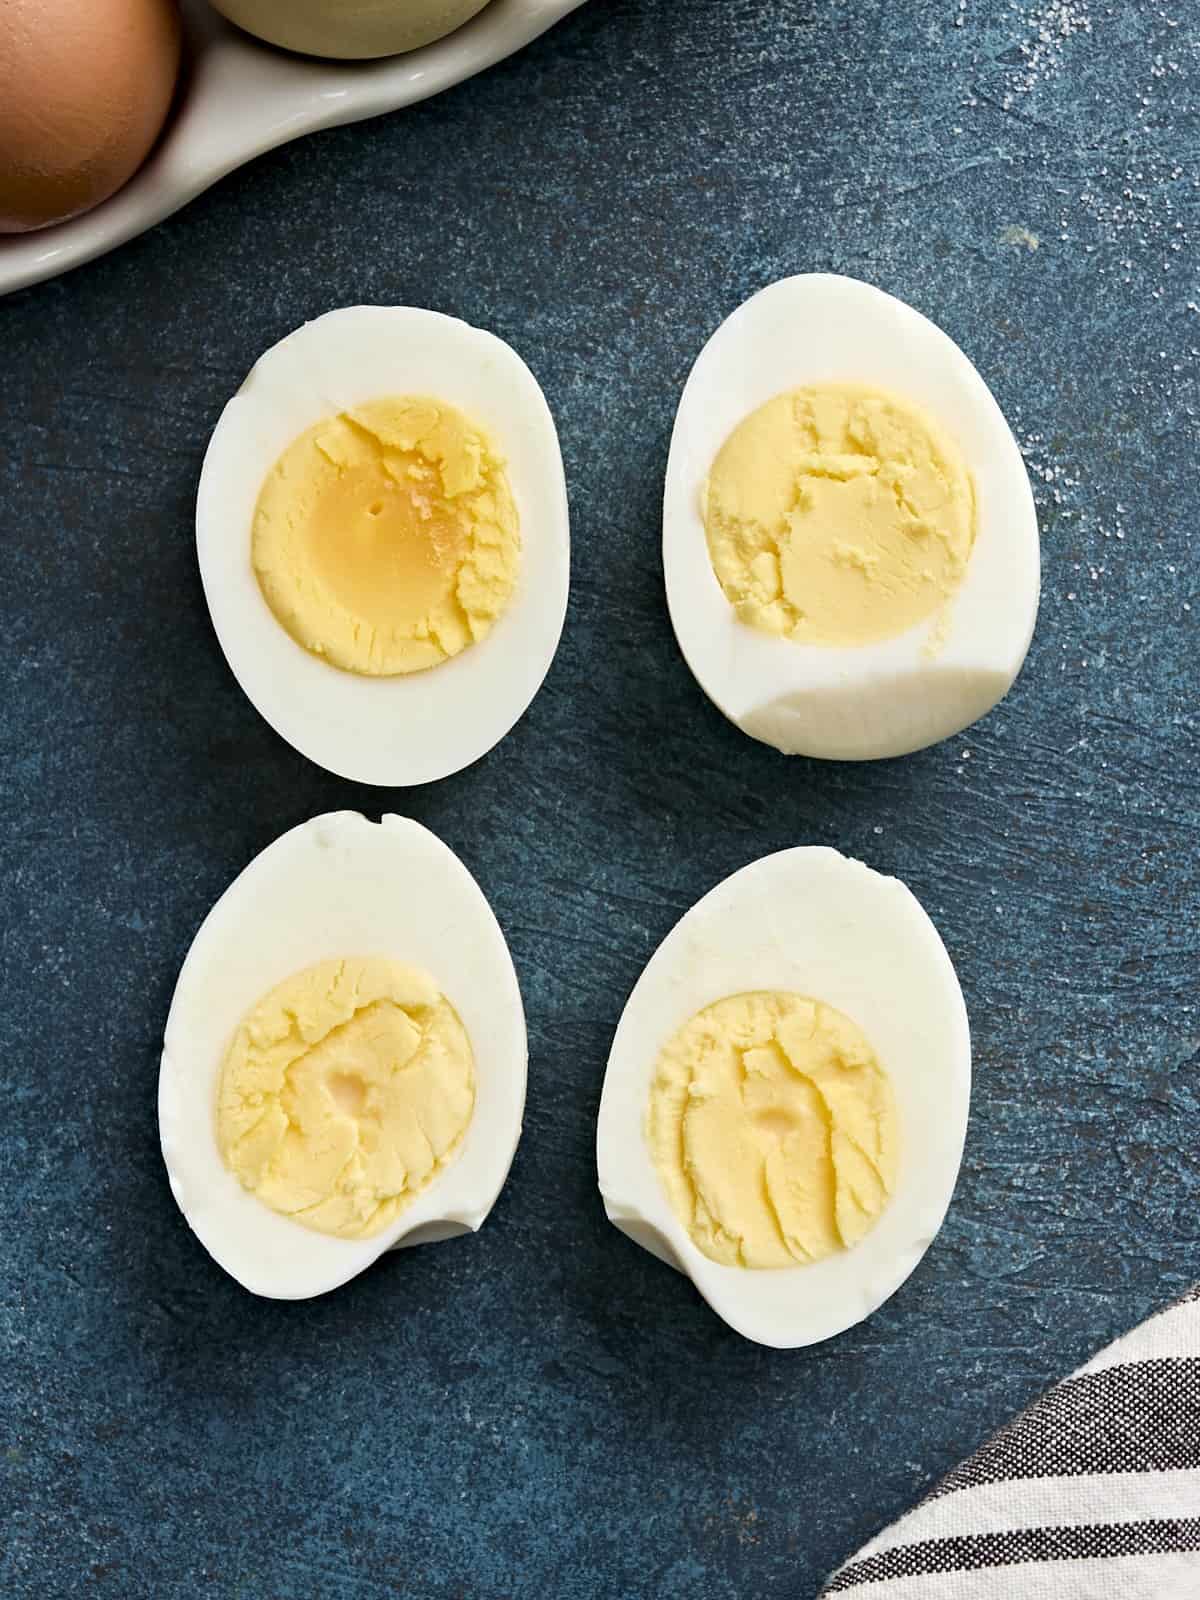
<point x="85" y="87"/>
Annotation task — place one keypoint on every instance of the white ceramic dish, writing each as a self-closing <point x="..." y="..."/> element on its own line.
<point x="241" y="98"/>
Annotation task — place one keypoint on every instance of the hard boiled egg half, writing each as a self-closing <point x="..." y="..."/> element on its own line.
<point x="786" y="1098"/>
<point x="343" y="1070"/>
<point x="849" y="538"/>
<point x="383" y="539"/>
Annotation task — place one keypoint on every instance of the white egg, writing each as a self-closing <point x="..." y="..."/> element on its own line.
<point x="815" y="923"/>
<point x="425" y="725"/>
<point x="338" y="886"/>
<point x="869" y="700"/>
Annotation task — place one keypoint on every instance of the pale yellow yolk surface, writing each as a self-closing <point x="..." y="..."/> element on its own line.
<point x="344" y="1092"/>
<point x="773" y="1129"/>
<point x="838" y="515"/>
<point x="386" y="539"/>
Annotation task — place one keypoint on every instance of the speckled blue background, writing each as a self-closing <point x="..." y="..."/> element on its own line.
<point x="543" y="1409"/>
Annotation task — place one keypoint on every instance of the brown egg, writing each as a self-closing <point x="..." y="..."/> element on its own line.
<point x="85" y="86"/>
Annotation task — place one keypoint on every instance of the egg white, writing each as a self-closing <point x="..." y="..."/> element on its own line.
<point x="875" y="700"/>
<point x="425" y="725"/>
<point x="821" y="925"/>
<point x="338" y="885"/>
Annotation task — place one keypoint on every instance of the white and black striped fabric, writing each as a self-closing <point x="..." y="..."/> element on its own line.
<point x="1091" y="1494"/>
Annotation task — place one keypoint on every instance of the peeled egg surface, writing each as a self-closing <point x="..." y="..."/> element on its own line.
<point x="389" y="730"/>
<point x="338" y="886"/>
<point x="869" y="700"/>
<point x="84" y="92"/>
<point x="812" y="922"/>
<point x="349" y="29"/>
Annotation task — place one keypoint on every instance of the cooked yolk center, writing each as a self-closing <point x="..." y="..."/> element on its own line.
<point x="384" y="543"/>
<point x="838" y="515"/>
<point x="344" y="1092"/>
<point x="386" y="540"/>
<point x="774" y="1130"/>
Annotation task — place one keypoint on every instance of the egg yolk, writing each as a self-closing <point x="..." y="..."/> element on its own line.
<point x="386" y="539"/>
<point x="838" y="515"/>
<point x="773" y="1129"/>
<point x="344" y="1092"/>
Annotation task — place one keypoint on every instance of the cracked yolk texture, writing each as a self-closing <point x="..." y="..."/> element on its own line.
<point x="838" y="515"/>
<point x="773" y="1129"/>
<point x="386" y="540"/>
<point x="344" y="1092"/>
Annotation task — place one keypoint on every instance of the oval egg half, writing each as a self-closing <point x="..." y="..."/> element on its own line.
<point x="809" y="922"/>
<point x="338" y="886"/>
<point x="424" y="725"/>
<point x="901" y="693"/>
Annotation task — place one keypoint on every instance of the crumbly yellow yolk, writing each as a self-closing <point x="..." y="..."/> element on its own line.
<point x="773" y="1129"/>
<point x="344" y="1092"/>
<point x="838" y="515"/>
<point x="386" y="539"/>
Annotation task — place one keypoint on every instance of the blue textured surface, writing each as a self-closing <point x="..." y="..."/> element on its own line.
<point x="544" y="1409"/>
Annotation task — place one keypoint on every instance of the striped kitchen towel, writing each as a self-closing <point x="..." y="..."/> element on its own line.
<point x="1091" y="1494"/>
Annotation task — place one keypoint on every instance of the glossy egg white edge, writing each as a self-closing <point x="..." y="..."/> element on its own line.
<point x="426" y="725"/>
<point x="877" y="700"/>
<point x="338" y="885"/>
<point x="822" y="925"/>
